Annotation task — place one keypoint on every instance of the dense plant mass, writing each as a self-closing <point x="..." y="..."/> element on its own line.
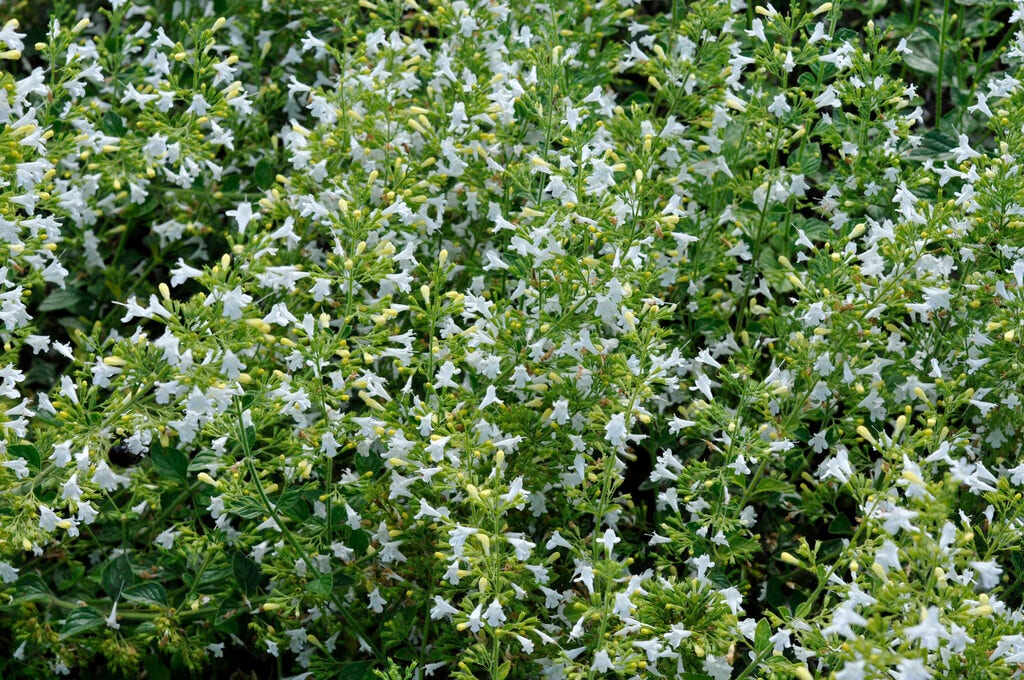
<point x="484" y="339"/>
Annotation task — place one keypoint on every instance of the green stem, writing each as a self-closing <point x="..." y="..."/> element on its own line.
<point x="288" y="535"/>
<point x="942" y="59"/>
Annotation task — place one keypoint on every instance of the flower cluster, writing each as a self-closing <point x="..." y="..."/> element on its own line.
<point x="480" y="339"/>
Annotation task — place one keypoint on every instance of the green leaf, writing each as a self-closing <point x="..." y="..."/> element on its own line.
<point x="808" y="157"/>
<point x="201" y="462"/>
<point x="169" y="462"/>
<point x="249" y="508"/>
<point x="263" y="173"/>
<point x="762" y="634"/>
<point x="70" y="578"/>
<point x="146" y="593"/>
<point x="504" y="669"/>
<point x="80" y="620"/>
<point x="246" y="573"/>
<point x="769" y="486"/>
<point x="807" y="81"/>
<point x="840" y="526"/>
<point x="60" y="299"/>
<point x="366" y="464"/>
<point x="355" y="670"/>
<point x="117" y="575"/>
<point x="846" y="35"/>
<point x="113" y="124"/>
<point x="30" y="588"/>
<point x="638" y="98"/>
<point x="359" y="541"/>
<point x="924" y="56"/>
<point x="27" y="452"/>
<point x="321" y="586"/>
<point x="934" y="145"/>
<point x="155" y="668"/>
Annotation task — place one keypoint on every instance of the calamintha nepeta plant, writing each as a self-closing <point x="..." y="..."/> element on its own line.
<point x="479" y="340"/>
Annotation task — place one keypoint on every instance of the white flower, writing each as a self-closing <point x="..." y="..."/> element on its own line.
<point x="243" y="215"/>
<point x="48" y="519"/>
<point x="457" y="538"/>
<point x="837" y="467"/>
<point x="442" y="609"/>
<point x="911" y="669"/>
<point x="377" y="601"/>
<point x="166" y="538"/>
<point x="844" y="616"/>
<point x="929" y="631"/>
<point x="522" y="547"/>
<point x="609" y="540"/>
<point x="70" y="490"/>
<point x="828" y="97"/>
<point x="475" y="624"/>
<point x="17" y="465"/>
<point x="494" y="615"/>
<point x="988" y="574"/>
<point x="615" y="431"/>
<point x="602" y="662"/>
<point x="8" y="573"/>
<point x="112" y="618"/>
<point x="107" y="479"/>
<point x="280" y="315"/>
<point x="779" y="107"/>
<point x="585" y="575"/>
<point x="234" y="302"/>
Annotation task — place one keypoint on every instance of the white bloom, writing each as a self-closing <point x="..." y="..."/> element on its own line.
<point x="615" y="431"/>
<point x="8" y="573"/>
<point x="929" y="631"/>
<point x="602" y="662"/>
<point x="166" y="538"/>
<point x="779" y="107"/>
<point x="442" y="609"/>
<point x="243" y="215"/>
<point x="494" y="615"/>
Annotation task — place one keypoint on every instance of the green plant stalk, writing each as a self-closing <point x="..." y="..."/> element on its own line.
<point x="288" y="535"/>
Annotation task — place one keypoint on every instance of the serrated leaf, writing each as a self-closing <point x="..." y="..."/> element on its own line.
<point x="60" y="299"/>
<point x="355" y="670"/>
<point x="113" y="124"/>
<point x="80" y="620"/>
<point x="246" y="573"/>
<point x="321" y="586"/>
<point x="117" y="575"/>
<point x="359" y="541"/>
<point x="846" y="35"/>
<point x="27" y="452"/>
<point x="249" y="508"/>
<point x="934" y="145"/>
<point x="263" y="173"/>
<point x="146" y="593"/>
<point x="807" y="81"/>
<point x="30" y="588"/>
<point x="201" y="462"/>
<point x="169" y="462"/>
<point x="769" y="486"/>
<point x="924" y="55"/>
<point x="808" y="157"/>
<point x="762" y="635"/>
<point x="155" y="668"/>
<point x="840" y="526"/>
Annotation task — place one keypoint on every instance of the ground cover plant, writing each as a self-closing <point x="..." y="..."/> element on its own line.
<point x="482" y="339"/>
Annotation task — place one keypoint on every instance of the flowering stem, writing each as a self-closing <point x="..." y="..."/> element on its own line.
<point x="289" y="536"/>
